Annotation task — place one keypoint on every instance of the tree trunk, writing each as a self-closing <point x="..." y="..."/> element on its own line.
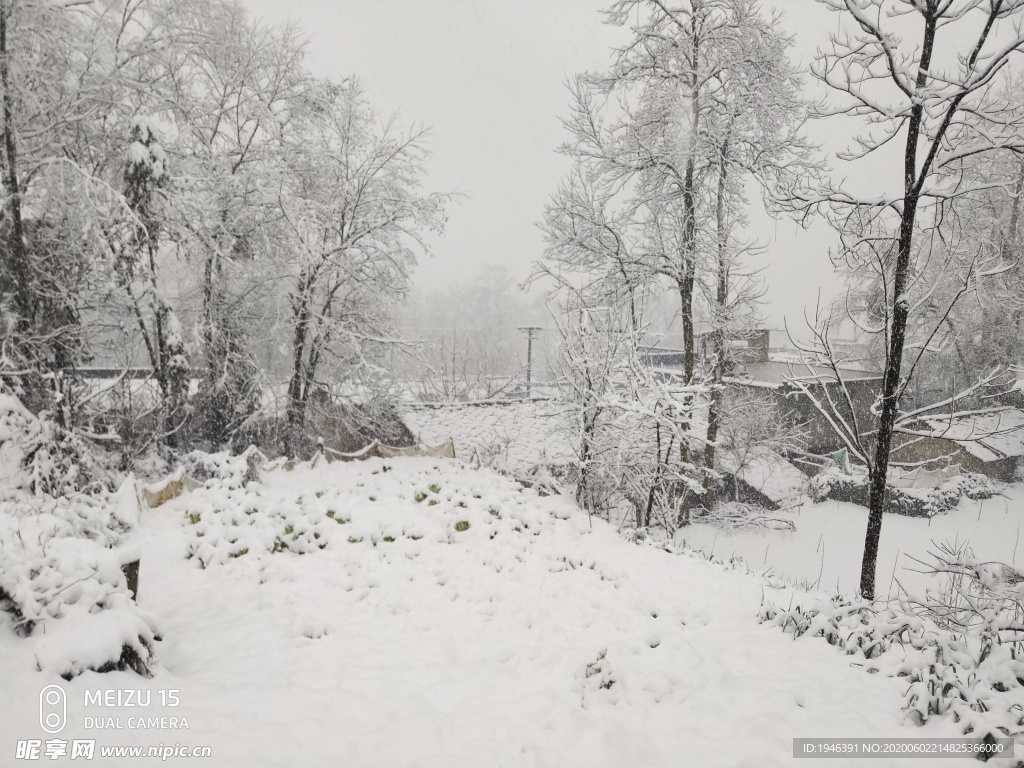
<point x="17" y="267"/>
<point x="646" y="521"/>
<point x="689" y="243"/>
<point x="296" y="406"/>
<point x="891" y="384"/>
<point x="686" y="286"/>
<point x="1009" y="237"/>
<point x="583" y="495"/>
<point x="718" y="334"/>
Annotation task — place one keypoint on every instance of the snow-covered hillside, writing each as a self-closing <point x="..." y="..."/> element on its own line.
<point x="417" y="612"/>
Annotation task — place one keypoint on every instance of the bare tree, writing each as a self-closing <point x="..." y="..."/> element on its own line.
<point x="700" y="101"/>
<point x="58" y="88"/>
<point x="923" y="75"/>
<point x="625" y="425"/>
<point x="756" y="135"/>
<point x="236" y="90"/>
<point x="355" y="214"/>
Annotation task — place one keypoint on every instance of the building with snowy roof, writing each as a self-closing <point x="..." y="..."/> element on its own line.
<point x="989" y="441"/>
<point x="758" y="364"/>
<point x="796" y="386"/>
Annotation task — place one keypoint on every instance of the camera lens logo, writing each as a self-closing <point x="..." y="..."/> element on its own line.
<point x="53" y="709"/>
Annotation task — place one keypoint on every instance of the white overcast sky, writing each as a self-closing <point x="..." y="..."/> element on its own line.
<point x="489" y="78"/>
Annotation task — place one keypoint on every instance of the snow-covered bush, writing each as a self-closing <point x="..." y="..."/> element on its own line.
<point x="224" y="468"/>
<point x="912" y="502"/>
<point x="970" y="485"/>
<point x="857" y="627"/>
<point x="629" y="429"/>
<point x="63" y="542"/>
<point x="37" y="457"/>
<point x="61" y="580"/>
<point x="961" y="648"/>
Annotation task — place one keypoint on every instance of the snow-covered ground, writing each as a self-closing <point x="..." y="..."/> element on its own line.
<point x="825" y="549"/>
<point x="444" y="616"/>
<point x="515" y="436"/>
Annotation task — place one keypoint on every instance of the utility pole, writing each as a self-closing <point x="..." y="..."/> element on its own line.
<point x="531" y="331"/>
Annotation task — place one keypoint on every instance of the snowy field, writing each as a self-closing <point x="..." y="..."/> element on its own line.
<point x="824" y="552"/>
<point x="416" y="612"/>
<point x="515" y="436"/>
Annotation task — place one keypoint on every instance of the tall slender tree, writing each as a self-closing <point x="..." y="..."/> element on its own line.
<point x="923" y="78"/>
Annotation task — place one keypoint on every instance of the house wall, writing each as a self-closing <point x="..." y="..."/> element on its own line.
<point x="797" y="409"/>
<point x="821" y="438"/>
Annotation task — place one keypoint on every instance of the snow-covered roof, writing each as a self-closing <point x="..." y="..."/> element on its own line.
<point x="515" y="435"/>
<point x="776" y="374"/>
<point x="769" y="473"/>
<point x="988" y="435"/>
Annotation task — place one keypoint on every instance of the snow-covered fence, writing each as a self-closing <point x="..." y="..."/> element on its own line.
<point x="379" y="449"/>
<point x="169" y="488"/>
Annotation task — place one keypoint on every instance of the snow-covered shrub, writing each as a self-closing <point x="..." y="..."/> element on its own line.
<point x="830" y="483"/>
<point x="63" y="542"/>
<point x="970" y="486"/>
<point x="38" y="457"/>
<point x="596" y="677"/>
<point x="627" y="427"/>
<point x="912" y="502"/>
<point x="225" y="469"/>
<point x="961" y="649"/>
<point x="857" y="627"/>
<point x="61" y="580"/>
